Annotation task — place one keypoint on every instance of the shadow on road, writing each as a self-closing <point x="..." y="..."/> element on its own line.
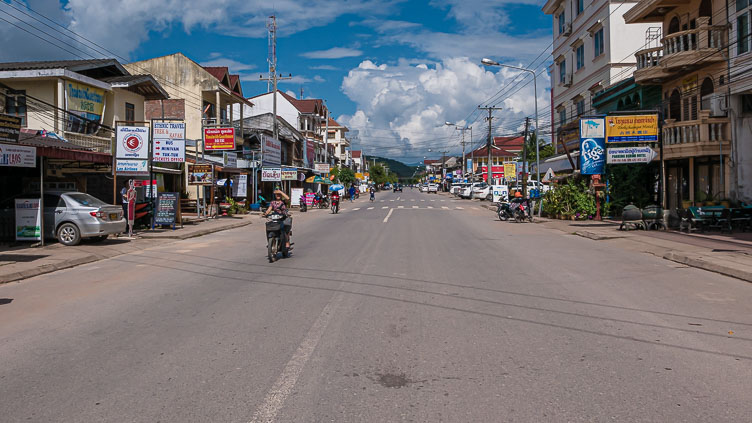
<point x="4" y="301"/>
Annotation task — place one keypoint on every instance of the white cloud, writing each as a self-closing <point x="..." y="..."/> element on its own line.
<point x="401" y="109"/>
<point x="324" y="67"/>
<point x="318" y="78"/>
<point x="233" y="65"/>
<point x="333" y="53"/>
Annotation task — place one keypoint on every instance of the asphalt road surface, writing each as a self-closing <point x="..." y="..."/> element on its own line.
<point x="415" y="307"/>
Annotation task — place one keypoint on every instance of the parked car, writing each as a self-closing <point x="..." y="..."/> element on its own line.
<point x="433" y="188"/>
<point x="456" y="188"/>
<point x="424" y="188"/>
<point x="484" y="192"/>
<point x="397" y="187"/>
<point x="467" y="192"/>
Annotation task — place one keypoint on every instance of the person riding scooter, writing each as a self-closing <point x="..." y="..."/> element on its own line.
<point x="373" y="193"/>
<point x="278" y="206"/>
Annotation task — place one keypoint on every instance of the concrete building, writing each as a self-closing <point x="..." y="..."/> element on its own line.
<point x="593" y="48"/>
<point x="690" y="66"/>
<point x="740" y="102"/>
<point x="337" y="140"/>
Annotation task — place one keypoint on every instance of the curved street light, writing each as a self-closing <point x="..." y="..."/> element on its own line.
<point x="489" y="62"/>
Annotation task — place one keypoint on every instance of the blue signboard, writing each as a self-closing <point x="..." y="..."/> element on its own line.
<point x="592" y="156"/>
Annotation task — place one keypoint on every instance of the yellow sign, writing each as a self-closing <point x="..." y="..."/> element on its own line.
<point x="86" y="101"/>
<point x="510" y="171"/>
<point x="635" y="128"/>
<point x="358" y="176"/>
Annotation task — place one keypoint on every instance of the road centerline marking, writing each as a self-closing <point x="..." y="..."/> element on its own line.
<point x="370" y="208"/>
<point x="386" y="219"/>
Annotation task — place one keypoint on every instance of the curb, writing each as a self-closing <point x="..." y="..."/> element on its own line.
<point x="708" y="265"/>
<point x="197" y="233"/>
<point x="48" y="268"/>
<point x="596" y="236"/>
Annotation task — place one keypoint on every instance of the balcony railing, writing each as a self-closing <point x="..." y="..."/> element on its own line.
<point x="649" y="58"/>
<point x="89" y="142"/>
<point x="704" y="37"/>
<point x="695" y="131"/>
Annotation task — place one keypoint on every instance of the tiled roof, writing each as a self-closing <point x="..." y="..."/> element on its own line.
<point x="218" y="72"/>
<point x="509" y="142"/>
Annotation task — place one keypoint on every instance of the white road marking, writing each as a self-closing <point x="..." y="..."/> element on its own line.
<point x="412" y="199"/>
<point x="399" y="198"/>
<point x="370" y="208"/>
<point x="400" y="207"/>
<point x="385" y="207"/>
<point x="275" y="398"/>
<point x="381" y="201"/>
<point x="430" y="207"/>
<point x="435" y="200"/>
<point x="445" y="207"/>
<point x="459" y="208"/>
<point x="391" y="200"/>
<point x="441" y="200"/>
<point x="402" y="200"/>
<point x="358" y="208"/>
<point x="416" y="207"/>
<point x="386" y="219"/>
<point x="425" y="200"/>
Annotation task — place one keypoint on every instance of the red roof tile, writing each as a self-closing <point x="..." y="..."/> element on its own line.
<point x="218" y="72"/>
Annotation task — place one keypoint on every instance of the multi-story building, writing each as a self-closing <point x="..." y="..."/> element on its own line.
<point x="740" y="102"/>
<point x="337" y="140"/>
<point x="690" y="66"/>
<point x="593" y="48"/>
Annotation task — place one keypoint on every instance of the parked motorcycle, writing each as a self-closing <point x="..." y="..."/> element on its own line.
<point x="276" y="236"/>
<point x="503" y="210"/>
<point x="521" y="211"/>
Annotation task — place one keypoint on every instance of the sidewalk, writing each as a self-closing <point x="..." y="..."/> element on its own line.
<point x="726" y="254"/>
<point x="18" y="263"/>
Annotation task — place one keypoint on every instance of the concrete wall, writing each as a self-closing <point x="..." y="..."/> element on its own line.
<point x="43" y="89"/>
<point x="265" y="104"/>
<point x="115" y="105"/>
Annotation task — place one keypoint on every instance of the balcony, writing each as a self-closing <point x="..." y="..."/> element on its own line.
<point x="702" y="137"/>
<point x="682" y="51"/>
<point x="89" y="142"/>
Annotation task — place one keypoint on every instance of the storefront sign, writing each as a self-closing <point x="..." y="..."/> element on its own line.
<point x="17" y="155"/>
<point x="637" y="128"/>
<point x="592" y="128"/>
<point x="630" y="155"/>
<point x="86" y="102"/>
<point x="289" y="174"/>
<point x="28" y="220"/>
<point x="169" y="142"/>
<point x="592" y="156"/>
<point x="230" y="159"/>
<point x="500" y="193"/>
<point x="322" y="167"/>
<point x="200" y="174"/>
<point x="132" y="142"/>
<point x="295" y="194"/>
<point x="217" y="139"/>
<point x="359" y="176"/>
<point x="132" y="167"/>
<point x="271" y="151"/>
<point x="10" y="128"/>
<point x="271" y="174"/>
<point x="310" y="154"/>
<point x="240" y="186"/>
<point x="510" y="171"/>
<point x="167" y="208"/>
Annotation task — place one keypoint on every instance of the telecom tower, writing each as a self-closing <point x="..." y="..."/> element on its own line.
<point x="271" y="26"/>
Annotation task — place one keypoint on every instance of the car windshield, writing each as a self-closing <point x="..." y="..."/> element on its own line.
<point x="86" y="200"/>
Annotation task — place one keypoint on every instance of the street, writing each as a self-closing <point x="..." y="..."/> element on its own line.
<point x="416" y="307"/>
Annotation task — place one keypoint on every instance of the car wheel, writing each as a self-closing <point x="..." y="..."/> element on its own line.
<point x="68" y="234"/>
<point x="489" y="197"/>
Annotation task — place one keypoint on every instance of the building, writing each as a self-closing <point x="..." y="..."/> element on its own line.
<point x="690" y="67"/>
<point x="68" y="110"/>
<point x="504" y="150"/>
<point x="592" y="49"/>
<point x="740" y="101"/>
<point x="338" y="142"/>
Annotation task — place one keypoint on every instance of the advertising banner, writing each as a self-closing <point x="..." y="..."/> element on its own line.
<point x="637" y="128"/>
<point x="200" y="174"/>
<point x="510" y="171"/>
<point x="500" y="193"/>
<point x="217" y="139"/>
<point x="592" y="128"/>
<point x="295" y="195"/>
<point x="310" y="153"/>
<point x="271" y="151"/>
<point x="289" y="174"/>
<point x="592" y="156"/>
<point x="322" y="168"/>
<point x="271" y="174"/>
<point x="630" y="155"/>
<point x="169" y="142"/>
<point x="86" y="102"/>
<point x="469" y="166"/>
<point x="240" y="186"/>
<point x="132" y="167"/>
<point x="359" y="176"/>
<point x="132" y="142"/>
<point x="230" y="159"/>
<point x="18" y="156"/>
<point x="10" y="128"/>
<point x="28" y="220"/>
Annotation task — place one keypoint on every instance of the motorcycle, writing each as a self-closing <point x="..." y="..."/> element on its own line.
<point x="303" y="205"/>
<point x="503" y="210"/>
<point x="373" y="197"/>
<point x="335" y="205"/>
<point x="521" y="211"/>
<point x="277" y="234"/>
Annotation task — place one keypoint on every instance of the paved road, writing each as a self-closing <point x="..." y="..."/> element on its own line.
<point x="430" y="312"/>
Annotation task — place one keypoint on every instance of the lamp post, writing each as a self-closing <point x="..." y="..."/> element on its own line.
<point x="463" y="129"/>
<point x="489" y="62"/>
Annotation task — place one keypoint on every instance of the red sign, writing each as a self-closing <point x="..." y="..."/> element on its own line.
<point x="498" y="172"/>
<point x="219" y="139"/>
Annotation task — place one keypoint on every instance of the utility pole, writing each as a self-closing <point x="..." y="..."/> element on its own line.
<point x="524" y="159"/>
<point x="273" y="76"/>
<point x="489" y="142"/>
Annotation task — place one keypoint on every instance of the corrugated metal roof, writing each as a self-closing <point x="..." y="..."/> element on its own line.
<point x="72" y="65"/>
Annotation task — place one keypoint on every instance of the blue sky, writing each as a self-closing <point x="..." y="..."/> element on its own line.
<point x="393" y="71"/>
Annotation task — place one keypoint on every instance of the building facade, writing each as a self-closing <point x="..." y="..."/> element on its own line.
<point x="740" y="100"/>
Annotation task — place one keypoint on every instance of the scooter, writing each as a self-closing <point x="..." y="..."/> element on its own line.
<point x="303" y="205"/>
<point x="520" y="211"/>
<point x="503" y="210"/>
<point x="335" y="205"/>
<point x="276" y="236"/>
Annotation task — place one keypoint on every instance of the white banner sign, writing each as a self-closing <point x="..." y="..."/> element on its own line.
<point x="28" y="220"/>
<point x="169" y="142"/>
<point x="132" y="142"/>
<point x="18" y="156"/>
<point x="624" y="155"/>
<point x="271" y="174"/>
<point x="240" y="186"/>
<point x="132" y="167"/>
<point x="271" y="151"/>
<point x="322" y="167"/>
<point x="230" y="159"/>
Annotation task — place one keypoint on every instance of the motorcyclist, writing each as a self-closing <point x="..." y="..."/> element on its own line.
<point x="278" y="206"/>
<point x="373" y="192"/>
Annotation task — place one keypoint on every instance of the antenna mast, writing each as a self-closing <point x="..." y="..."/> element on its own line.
<point x="271" y="27"/>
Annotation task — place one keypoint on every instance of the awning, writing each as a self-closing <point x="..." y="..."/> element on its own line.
<point x="158" y="169"/>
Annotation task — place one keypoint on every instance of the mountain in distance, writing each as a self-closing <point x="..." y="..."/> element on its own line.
<point x="402" y="170"/>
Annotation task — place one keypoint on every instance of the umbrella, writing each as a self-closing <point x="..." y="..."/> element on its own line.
<point x="317" y="180"/>
<point x="336" y="187"/>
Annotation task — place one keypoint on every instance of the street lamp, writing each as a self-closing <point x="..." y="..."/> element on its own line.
<point x="463" y="129"/>
<point x="489" y="62"/>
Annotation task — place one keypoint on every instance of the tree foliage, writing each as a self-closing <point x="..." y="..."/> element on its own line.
<point x="546" y="150"/>
<point x="631" y="183"/>
<point x="345" y="175"/>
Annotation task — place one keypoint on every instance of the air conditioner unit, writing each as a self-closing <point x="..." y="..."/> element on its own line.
<point x="716" y="103"/>
<point x="567" y="29"/>
<point x="568" y="80"/>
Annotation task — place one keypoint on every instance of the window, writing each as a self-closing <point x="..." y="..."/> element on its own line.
<point x="208" y="110"/>
<point x="563" y="71"/>
<point x="580" y="6"/>
<point x="581" y="107"/>
<point x="741" y="5"/>
<point x="598" y="43"/>
<point x="130" y="112"/>
<point x="562" y="24"/>
<point x="580" y="50"/>
<point x="15" y="104"/>
<point x="742" y="34"/>
<point x="562" y="116"/>
<point x="746" y="103"/>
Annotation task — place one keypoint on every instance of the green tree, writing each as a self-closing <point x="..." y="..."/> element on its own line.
<point x="378" y="174"/>
<point x="546" y="150"/>
<point x="345" y="175"/>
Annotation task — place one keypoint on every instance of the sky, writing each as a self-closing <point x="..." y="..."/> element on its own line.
<point x="392" y="71"/>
